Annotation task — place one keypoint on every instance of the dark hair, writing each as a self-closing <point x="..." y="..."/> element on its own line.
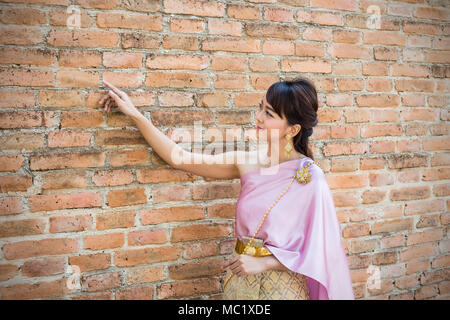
<point x="297" y="100"/>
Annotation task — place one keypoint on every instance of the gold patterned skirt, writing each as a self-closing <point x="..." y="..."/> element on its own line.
<point x="267" y="285"/>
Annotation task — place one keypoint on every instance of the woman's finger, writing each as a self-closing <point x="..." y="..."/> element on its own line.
<point x="113" y="88"/>
<point x="114" y="96"/>
<point x="107" y="105"/>
<point x="103" y="99"/>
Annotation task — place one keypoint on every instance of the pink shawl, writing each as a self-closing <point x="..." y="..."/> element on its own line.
<point x="301" y="230"/>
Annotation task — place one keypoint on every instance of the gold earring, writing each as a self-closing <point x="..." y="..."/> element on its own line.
<point x="288" y="147"/>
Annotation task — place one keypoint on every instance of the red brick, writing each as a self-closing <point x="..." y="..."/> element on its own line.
<point x="82" y="38"/>
<point x="67" y="160"/>
<point x="64" y="180"/>
<point x="113" y="220"/>
<point x="414" y="85"/>
<point x="409" y="193"/>
<point x="150" y="236"/>
<point x="100" y="282"/>
<point x="129" y="21"/>
<point x="129" y="197"/>
<point x="278" y="14"/>
<point x="186" y="25"/>
<point x="196" y="269"/>
<point x="419" y="251"/>
<point x="28" y="57"/>
<point x="68" y="138"/>
<point x="177" y="61"/>
<point x="320" y="17"/>
<point x="124" y="80"/>
<point x="317" y="34"/>
<point x="181" y="117"/>
<point x="43" y="267"/>
<point x="37" y="290"/>
<point x="26" y="77"/>
<point x="11" y="183"/>
<point x="425" y="236"/>
<point x="145" y="275"/>
<point x="135" y="293"/>
<point x="104" y="241"/>
<point x="242" y="11"/>
<point x="12" y="98"/>
<point x="60" y="18"/>
<point x="231" y="44"/>
<point x="176" y="41"/>
<point x="22" y="16"/>
<point x="384" y="38"/>
<point x="223" y="27"/>
<point x="177" y="80"/>
<point x="50" y="202"/>
<point x="79" y="59"/>
<point x="90" y="262"/>
<point x="432" y="13"/>
<point x="128" y="258"/>
<point x="112" y="177"/>
<point x="20" y="36"/>
<point x="185" y="288"/>
<point x="215" y="191"/>
<point x="70" y="224"/>
<point x="195" y="7"/>
<point x="351" y="51"/>
<point x="162" y="215"/>
<point x="77" y="79"/>
<point x="140" y="41"/>
<point x="356" y="230"/>
<point x="24" y="227"/>
<point x="425" y="292"/>
<point x="122" y="59"/>
<point x="347" y="5"/>
<point x="60" y="98"/>
<point x="99" y="4"/>
<point x="10" y="205"/>
<point x="81" y="119"/>
<point x="200" y="231"/>
<point x="20" y="119"/>
<point x="11" y="162"/>
<point x="378" y="100"/>
<point x="121" y="158"/>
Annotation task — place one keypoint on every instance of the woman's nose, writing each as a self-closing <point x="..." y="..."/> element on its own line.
<point x="258" y="115"/>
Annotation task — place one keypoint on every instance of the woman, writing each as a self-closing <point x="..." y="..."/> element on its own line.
<point x="288" y="237"/>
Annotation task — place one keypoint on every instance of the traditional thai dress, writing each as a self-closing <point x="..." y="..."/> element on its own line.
<point x="301" y="231"/>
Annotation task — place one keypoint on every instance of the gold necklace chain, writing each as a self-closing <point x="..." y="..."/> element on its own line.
<point x="248" y="248"/>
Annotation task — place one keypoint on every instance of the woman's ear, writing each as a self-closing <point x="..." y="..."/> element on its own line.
<point x="295" y="129"/>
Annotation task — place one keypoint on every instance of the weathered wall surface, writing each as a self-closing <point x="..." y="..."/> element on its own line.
<point x="81" y="188"/>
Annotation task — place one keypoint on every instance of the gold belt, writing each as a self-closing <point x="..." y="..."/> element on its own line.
<point x="251" y="250"/>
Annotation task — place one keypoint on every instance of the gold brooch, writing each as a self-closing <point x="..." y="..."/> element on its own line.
<point x="303" y="175"/>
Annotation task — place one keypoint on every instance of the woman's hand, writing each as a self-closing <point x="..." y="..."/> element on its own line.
<point x="243" y="264"/>
<point x="116" y="97"/>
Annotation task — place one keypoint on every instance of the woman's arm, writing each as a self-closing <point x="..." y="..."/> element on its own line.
<point x="243" y="264"/>
<point x="221" y="166"/>
<point x="272" y="263"/>
<point x="160" y="143"/>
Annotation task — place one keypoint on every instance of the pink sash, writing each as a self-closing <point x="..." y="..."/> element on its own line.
<point x="301" y="230"/>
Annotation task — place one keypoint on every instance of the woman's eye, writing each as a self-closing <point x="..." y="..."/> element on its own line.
<point x="268" y="113"/>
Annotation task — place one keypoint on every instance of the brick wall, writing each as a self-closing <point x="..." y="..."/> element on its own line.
<point x="81" y="188"/>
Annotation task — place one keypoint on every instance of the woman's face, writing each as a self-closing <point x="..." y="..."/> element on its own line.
<point x="271" y="126"/>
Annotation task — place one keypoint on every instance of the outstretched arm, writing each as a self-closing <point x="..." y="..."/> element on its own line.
<point x="162" y="145"/>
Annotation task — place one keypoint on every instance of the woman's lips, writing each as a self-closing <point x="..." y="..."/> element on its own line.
<point x="258" y="128"/>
